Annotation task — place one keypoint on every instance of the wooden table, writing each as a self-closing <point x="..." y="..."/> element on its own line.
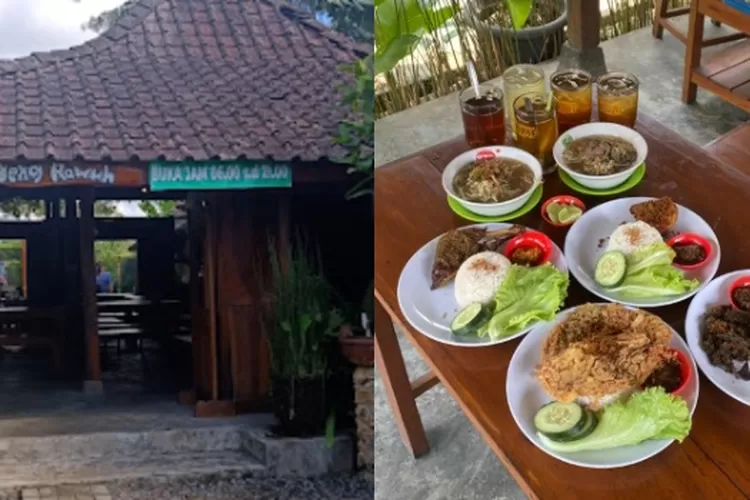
<point x="411" y="209"/>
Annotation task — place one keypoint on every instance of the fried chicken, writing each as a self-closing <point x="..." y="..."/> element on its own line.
<point x="661" y="214"/>
<point x="599" y="351"/>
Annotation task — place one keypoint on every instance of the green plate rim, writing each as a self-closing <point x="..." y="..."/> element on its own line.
<point x="629" y="184"/>
<point x="462" y="212"/>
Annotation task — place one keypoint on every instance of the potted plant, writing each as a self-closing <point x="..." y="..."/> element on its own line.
<point x="302" y="322"/>
<point x="356" y="341"/>
<point x="529" y="31"/>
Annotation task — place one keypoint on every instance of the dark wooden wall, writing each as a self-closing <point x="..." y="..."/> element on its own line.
<point x="231" y="233"/>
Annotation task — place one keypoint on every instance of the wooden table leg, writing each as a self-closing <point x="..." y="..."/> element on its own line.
<point x="660" y="12"/>
<point x="692" y="52"/>
<point x="391" y="366"/>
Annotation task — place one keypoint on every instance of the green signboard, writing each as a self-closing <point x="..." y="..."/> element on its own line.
<point x="171" y="176"/>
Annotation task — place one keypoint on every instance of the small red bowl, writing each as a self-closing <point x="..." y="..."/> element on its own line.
<point x="530" y="239"/>
<point x="740" y="282"/>
<point x="686" y="370"/>
<point x="562" y="199"/>
<point x="691" y="239"/>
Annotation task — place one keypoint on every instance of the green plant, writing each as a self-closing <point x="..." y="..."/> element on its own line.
<point x="401" y="24"/>
<point x="302" y="317"/>
<point x="436" y="68"/>
<point x="356" y="135"/>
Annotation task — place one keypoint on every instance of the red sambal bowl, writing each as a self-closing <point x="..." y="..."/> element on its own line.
<point x="530" y="239"/>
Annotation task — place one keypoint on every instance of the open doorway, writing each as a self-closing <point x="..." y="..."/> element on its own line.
<point x="117" y="266"/>
<point x="13" y="285"/>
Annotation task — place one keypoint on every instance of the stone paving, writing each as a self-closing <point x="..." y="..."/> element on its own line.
<point x="71" y="492"/>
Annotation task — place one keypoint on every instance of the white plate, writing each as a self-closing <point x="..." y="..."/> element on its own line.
<point x="716" y="293"/>
<point x="431" y="311"/>
<point x="583" y="248"/>
<point x="526" y="396"/>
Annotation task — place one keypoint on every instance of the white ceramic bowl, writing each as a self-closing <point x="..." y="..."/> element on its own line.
<point x="492" y="209"/>
<point x="600" y="128"/>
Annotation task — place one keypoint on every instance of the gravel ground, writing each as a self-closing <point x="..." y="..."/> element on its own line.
<point x="238" y="487"/>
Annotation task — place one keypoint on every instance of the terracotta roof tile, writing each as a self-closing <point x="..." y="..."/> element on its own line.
<point x="182" y="79"/>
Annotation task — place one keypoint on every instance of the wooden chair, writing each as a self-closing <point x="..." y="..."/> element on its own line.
<point x="662" y="16"/>
<point x="726" y="73"/>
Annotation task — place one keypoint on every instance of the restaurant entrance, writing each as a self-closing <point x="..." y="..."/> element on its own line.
<point x="58" y="330"/>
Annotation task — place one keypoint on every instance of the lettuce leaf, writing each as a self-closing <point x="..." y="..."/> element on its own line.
<point x="650" y="274"/>
<point x="526" y="295"/>
<point x="650" y="414"/>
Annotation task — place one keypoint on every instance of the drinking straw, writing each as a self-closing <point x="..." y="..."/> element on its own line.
<point x="548" y="107"/>
<point x="529" y="109"/>
<point x="473" y="77"/>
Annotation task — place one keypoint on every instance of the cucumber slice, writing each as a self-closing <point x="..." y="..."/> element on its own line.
<point x="590" y="423"/>
<point x="470" y="318"/>
<point x="561" y="421"/>
<point x="611" y="269"/>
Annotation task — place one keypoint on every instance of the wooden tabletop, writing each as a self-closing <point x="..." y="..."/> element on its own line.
<point x="713" y="462"/>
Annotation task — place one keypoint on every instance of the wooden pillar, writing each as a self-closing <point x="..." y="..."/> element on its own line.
<point x="93" y="381"/>
<point x="24" y="265"/>
<point x="284" y="219"/>
<point x="584" y="24"/>
<point x="582" y="49"/>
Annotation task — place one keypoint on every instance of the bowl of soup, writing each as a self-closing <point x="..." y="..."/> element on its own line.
<point x="600" y="155"/>
<point x="492" y="181"/>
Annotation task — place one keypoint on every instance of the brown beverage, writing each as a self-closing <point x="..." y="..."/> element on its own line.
<point x="617" y="95"/>
<point x="572" y="90"/>
<point x="536" y="127"/>
<point x="483" y="116"/>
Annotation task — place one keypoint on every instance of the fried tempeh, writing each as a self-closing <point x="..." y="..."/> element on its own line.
<point x="661" y="214"/>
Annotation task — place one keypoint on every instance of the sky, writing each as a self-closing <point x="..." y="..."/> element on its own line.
<point x="28" y="26"/>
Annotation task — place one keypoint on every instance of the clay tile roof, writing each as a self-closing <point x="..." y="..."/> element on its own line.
<point x="182" y="79"/>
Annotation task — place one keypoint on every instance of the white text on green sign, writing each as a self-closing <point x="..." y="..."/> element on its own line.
<point x="230" y="175"/>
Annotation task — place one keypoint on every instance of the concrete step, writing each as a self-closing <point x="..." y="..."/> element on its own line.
<point x="122" y="444"/>
<point x="80" y="471"/>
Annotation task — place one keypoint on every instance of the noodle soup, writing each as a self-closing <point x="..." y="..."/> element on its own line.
<point x="493" y="180"/>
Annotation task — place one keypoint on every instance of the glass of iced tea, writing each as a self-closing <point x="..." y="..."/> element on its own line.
<point x="536" y="127"/>
<point x="517" y="80"/>
<point x="617" y="97"/>
<point x="572" y="90"/>
<point x="483" y="116"/>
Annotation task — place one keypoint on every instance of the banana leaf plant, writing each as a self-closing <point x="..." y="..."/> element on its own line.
<point x="401" y="24"/>
<point x="519" y="10"/>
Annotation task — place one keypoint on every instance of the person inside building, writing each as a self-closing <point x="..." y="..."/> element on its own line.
<point x="103" y="280"/>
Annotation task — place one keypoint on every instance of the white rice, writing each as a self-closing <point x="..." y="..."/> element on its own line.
<point x="633" y="236"/>
<point x="479" y="277"/>
<point x="602" y="401"/>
